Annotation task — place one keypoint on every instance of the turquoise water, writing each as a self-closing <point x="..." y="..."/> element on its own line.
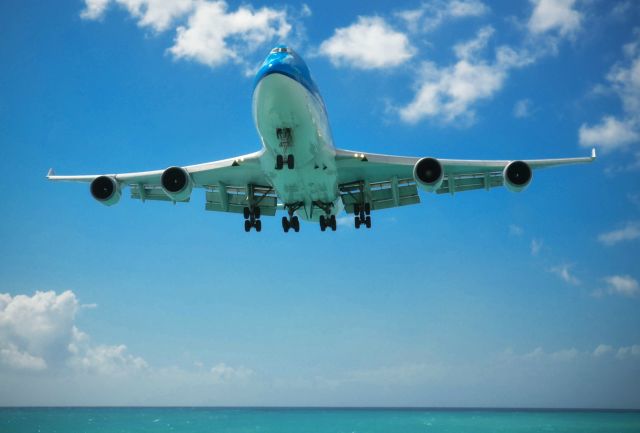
<point x="89" y="420"/>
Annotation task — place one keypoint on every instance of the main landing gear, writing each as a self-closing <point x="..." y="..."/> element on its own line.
<point x="284" y="136"/>
<point x="328" y="221"/>
<point x="292" y="221"/>
<point x="252" y="219"/>
<point x="363" y="215"/>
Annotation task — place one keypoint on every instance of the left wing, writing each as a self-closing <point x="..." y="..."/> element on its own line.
<point x="231" y="184"/>
<point x="386" y="181"/>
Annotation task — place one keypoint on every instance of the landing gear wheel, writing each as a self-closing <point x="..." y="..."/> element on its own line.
<point x="286" y="225"/>
<point x="367" y="208"/>
<point x="332" y="222"/>
<point x="279" y="162"/>
<point x="246" y="212"/>
<point x="258" y="225"/>
<point x="356" y="209"/>
<point x="367" y="222"/>
<point x="256" y="213"/>
<point x="290" y="162"/>
<point x="247" y="225"/>
<point x="323" y="223"/>
<point x="357" y="222"/>
<point x="295" y="223"/>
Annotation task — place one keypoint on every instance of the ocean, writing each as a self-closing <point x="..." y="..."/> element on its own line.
<point x="299" y="420"/>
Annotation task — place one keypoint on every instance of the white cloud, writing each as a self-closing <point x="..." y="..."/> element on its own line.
<point x="451" y="93"/>
<point x="602" y="349"/>
<point x="369" y="43"/>
<point x="223" y="373"/>
<point x="206" y="32"/>
<point x="214" y="36"/>
<point x="94" y="9"/>
<point x="629" y="232"/>
<point x="629" y="351"/>
<point x="38" y="332"/>
<point x="522" y="108"/>
<point x="536" y="246"/>
<point x="404" y="374"/>
<point x="431" y="15"/>
<point x="157" y="14"/>
<point x="564" y="272"/>
<point x="623" y="285"/>
<point x="609" y="134"/>
<point x="554" y="15"/>
<point x="624" y="81"/>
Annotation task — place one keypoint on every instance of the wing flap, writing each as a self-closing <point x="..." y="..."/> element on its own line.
<point x="222" y="198"/>
<point x="380" y="195"/>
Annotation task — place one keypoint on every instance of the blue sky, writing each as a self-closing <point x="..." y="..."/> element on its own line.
<point x="480" y="299"/>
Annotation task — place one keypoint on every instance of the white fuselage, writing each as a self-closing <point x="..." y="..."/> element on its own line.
<point x="282" y="102"/>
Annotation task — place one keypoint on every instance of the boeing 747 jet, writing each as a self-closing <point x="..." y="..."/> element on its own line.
<point x="300" y="171"/>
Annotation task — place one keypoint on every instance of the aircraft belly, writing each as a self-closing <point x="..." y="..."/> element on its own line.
<point x="281" y="102"/>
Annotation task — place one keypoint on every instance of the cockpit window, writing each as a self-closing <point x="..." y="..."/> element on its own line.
<point x="280" y="50"/>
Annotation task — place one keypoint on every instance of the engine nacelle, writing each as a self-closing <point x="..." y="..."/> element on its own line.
<point x="517" y="176"/>
<point x="106" y="190"/>
<point x="176" y="183"/>
<point x="428" y="173"/>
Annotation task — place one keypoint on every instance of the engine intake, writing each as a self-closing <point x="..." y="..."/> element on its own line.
<point x="176" y="183"/>
<point x="428" y="173"/>
<point x="517" y="176"/>
<point x="106" y="190"/>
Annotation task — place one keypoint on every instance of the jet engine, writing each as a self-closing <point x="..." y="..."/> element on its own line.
<point x="106" y="190"/>
<point x="517" y="176"/>
<point x="176" y="183"/>
<point x="428" y="173"/>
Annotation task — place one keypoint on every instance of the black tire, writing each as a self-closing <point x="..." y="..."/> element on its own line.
<point x="367" y="222"/>
<point x="334" y="224"/>
<point x="247" y="225"/>
<point x="367" y="208"/>
<point x="258" y="225"/>
<point x="290" y="162"/>
<point x="285" y="224"/>
<point x="246" y="212"/>
<point x="295" y="223"/>
<point x="323" y="223"/>
<point x="356" y="209"/>
<point x="357" y="222"/>
<point x="256" y="213"/>
<point x="279" y="162"/>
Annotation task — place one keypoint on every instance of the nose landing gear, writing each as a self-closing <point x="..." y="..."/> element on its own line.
<point x="284" y="136"/>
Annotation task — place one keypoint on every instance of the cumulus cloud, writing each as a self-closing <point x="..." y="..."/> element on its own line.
<point x="369" y="43"/>
<point x="214" y="36"/>
<point x="430" y="15"/>
<point x="629" y="232"/>
<point x="206" y="32"/>
<point x="611" y="132"/>
<point x="450" y="93"/>
<point x="38" y="332"/>
<point x="554" y="16"/>
<point x="564" y="272"/>
<point x="623" y="285"/>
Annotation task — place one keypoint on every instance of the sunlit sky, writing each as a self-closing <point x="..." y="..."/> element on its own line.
<point x="478" y="299"/>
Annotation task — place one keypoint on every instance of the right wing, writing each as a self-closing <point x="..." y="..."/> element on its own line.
<point x="230" y="184"/>
<point x="387" y="181"/>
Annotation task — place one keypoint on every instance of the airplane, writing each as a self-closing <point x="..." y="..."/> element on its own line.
<point x="300" y="171"/>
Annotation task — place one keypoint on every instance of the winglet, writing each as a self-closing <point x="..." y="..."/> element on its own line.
<point x="593" y="153"/>
<point x="51" y="173"/>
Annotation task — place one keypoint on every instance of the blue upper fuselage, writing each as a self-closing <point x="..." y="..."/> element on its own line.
<point x="285" y="61"/>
